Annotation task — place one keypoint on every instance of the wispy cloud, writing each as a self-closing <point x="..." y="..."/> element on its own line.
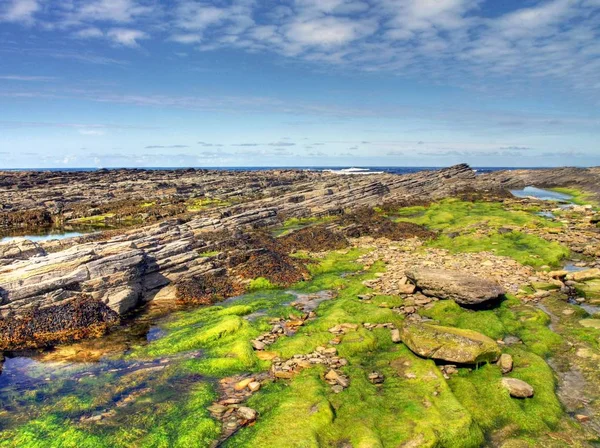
<point x="166" y="147"/>
<point x="444" y="40"/>
<point x="84" y="126"/>
<point x="92" y="132"/>
<point x="19" y="11"/>
<point x="25" y="78"/>
<point x="126" y="36"/>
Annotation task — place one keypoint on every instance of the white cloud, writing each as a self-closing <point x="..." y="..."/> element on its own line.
<point x="19" y="11"/>
<point x="110" y="10"/>
<point x="92" y="132"/>
<point x="191" y="15"/>
<point x="88" y="33"/>
<point x="450" y="41"/>
<point x="25" y="78"/>
<point x="327" y="31"/>
<point x="126" y="37"/>
<point x="187" y="38"/>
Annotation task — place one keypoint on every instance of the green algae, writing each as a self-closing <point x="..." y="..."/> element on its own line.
<point x="481" y="393"/>
<point x="487" y="226"/>
<point x="260" y="283"/>
<point x="510" y="318"/>
<point x="414" y="405"/>
<point x="208" y="254"/>
<point x="197" y="205"/>
<point x="291" y="224"/>
<point x="579" y="197"/>
<point x="455" y="215"/>
<point x="525" y="248"/>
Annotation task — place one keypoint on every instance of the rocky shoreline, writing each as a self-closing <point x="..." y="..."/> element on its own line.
<point x="136" y="266"/>
<point x="441" y="281"/>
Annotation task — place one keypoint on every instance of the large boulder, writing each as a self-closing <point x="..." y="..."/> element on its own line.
<point x="449" y="344"/>
<point x="464" y="289"/>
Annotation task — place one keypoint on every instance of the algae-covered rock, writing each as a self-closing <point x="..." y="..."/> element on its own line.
<point x="463" y="288"/>
<point x="590" y="323"/>
<point x="543" y="286"/>
<point x="449" y="344"/>
<point x="505" y="363"/>
<point x="517" y="388"/>
<point x="588" y="274"/>
<point x="589" y="289"/>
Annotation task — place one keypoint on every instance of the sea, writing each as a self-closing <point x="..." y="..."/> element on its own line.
<point x="335" y="169"/>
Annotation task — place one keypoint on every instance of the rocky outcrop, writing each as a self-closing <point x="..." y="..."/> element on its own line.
<point x="123" y="270"/>
<point x="82" y="317"/>
<point x="461" y="287"/>
<point x="19" y="249"/>
<point x="449" y="344"/>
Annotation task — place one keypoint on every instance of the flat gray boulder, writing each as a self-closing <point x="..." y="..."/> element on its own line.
<point x="463" y="288"/>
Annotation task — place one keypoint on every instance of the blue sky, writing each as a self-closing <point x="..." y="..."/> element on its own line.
<point x="107" y="83"/>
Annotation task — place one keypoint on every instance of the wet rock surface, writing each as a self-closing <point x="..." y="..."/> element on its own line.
<point x="129" y="269"/>
<point x="463" y="288"/>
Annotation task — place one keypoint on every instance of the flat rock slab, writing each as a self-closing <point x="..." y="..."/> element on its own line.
<point x="590" y="323"/>
<point x="449" y="344"/>
<point x="463" y="288"/>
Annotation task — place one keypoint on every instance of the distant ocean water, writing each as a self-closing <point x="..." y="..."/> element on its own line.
<point x="338" y="169"/>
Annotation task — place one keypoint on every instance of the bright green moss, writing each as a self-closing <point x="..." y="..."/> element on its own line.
<point x="481" y="393"/>
<point x="292" y="224"/>
<point x="510" y="318"/>
<point x="196" y="205"/>
<point x="260" y="283"/>
<point x="210" y="253"/>
<point x="453" y="215"/>
<point x="448" y="313"/>
<point x="526" y="249"/>
<point x="51" y="432"/>
<point x="478" y="222"/>
<point x="413" y="405"/>
<point x="578" y="197"/>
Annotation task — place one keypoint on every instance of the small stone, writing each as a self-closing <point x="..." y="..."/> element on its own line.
<point x="396" y="336"/>
<point x="254" y="386"/>
<point x="258" y="345"/>
<point x="568" y="312"/>
<point x="407" y="288"/>
<point x="284" y="375"/>
<point x="582" y="418"/>
<point x="337" y="388"/>
<point x="243" y="384"/>
<point x="517" y="388"/>
<point x="505" y="363"/>
<point x="246" y="413"/>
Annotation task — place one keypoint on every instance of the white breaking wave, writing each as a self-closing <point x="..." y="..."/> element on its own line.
<point x="354" y="171"/>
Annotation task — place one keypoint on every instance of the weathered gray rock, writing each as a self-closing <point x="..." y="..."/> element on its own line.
<point x="20" y="249"/>
<point x="505" y="363"/>
<point x="449" y="344"/>
<point x="517" y="388"/>
<point x="461" y="287"/>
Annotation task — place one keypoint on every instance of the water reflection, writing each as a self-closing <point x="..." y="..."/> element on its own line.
<point x="539" y="193"/>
